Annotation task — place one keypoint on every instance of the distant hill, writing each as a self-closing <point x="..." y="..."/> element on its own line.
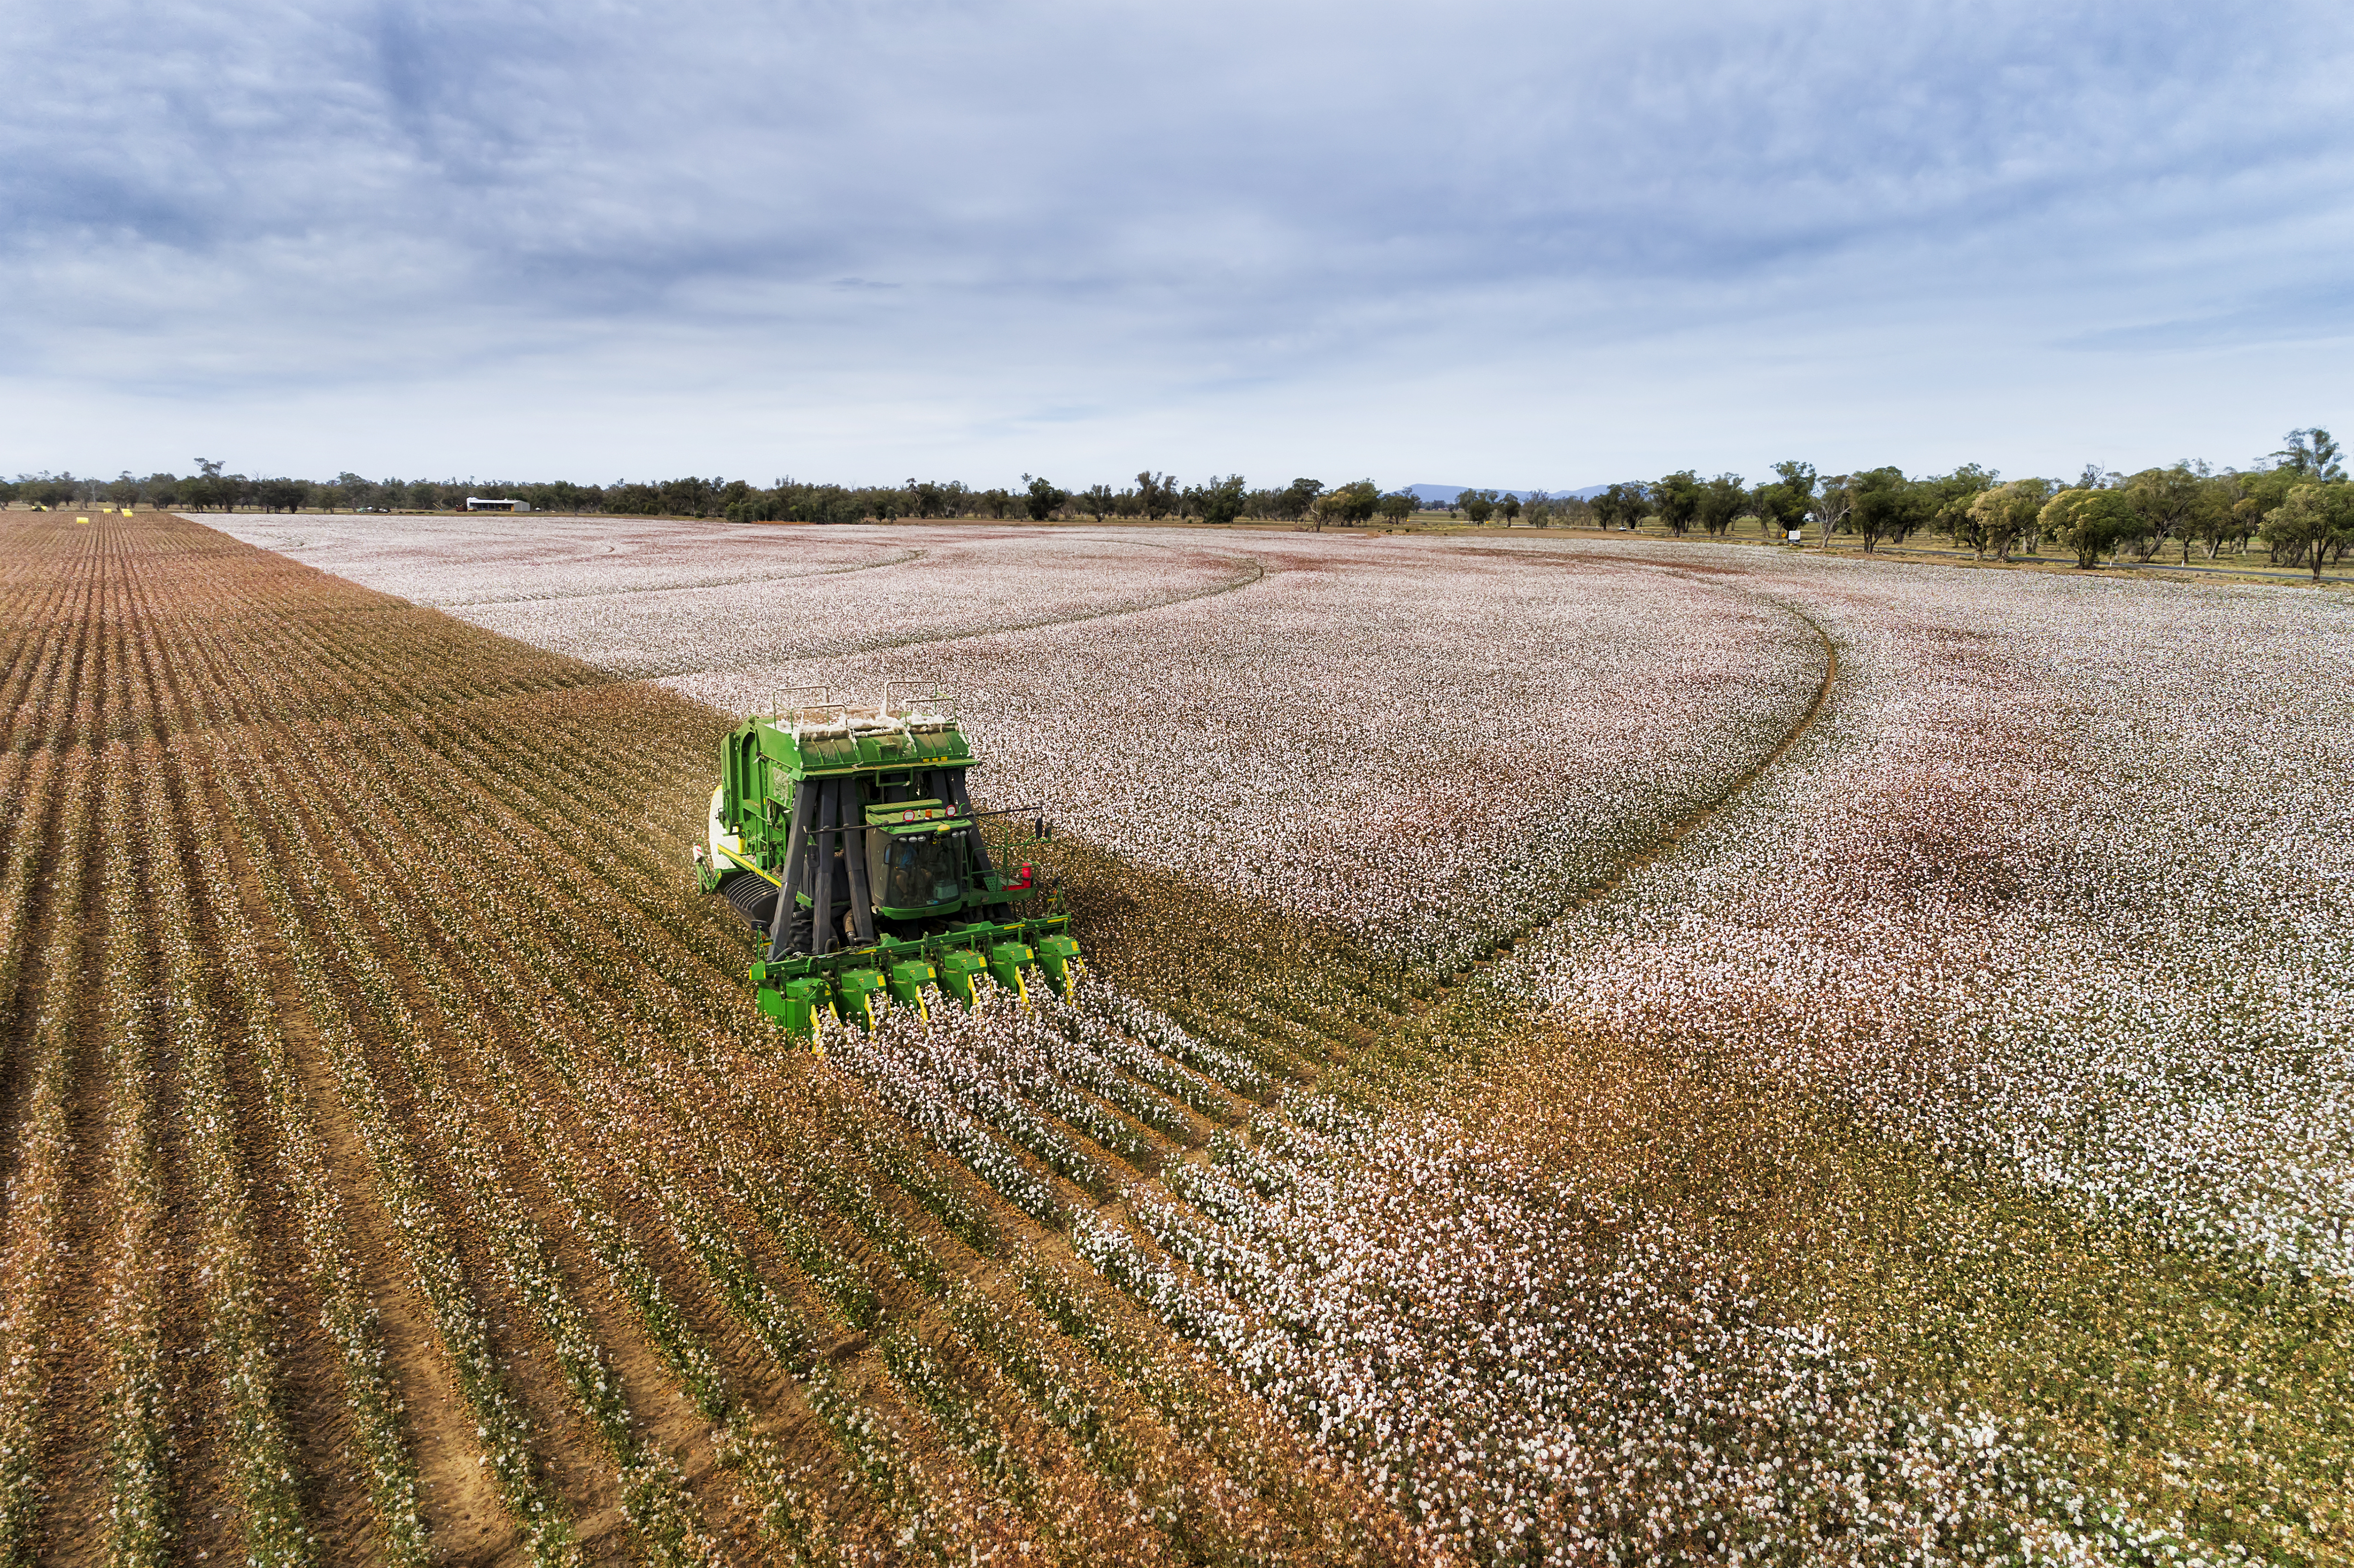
<point x="1444" y="494"/>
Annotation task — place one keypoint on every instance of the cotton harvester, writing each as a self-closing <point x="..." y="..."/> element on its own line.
<point x="843" y="833"/>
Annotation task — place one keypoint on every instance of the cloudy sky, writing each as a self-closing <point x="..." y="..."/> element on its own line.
<point x="1472" y="242"/>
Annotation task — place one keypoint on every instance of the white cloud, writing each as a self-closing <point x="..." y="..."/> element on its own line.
<point x="1494" y="243"/>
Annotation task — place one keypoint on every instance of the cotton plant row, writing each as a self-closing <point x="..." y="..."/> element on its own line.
<point x="347" y="1313"/>
<point x="236" y="1335"/>
<point x="257" y="1447"/>
<point x="50" y="802"/>
<point x="428" y="1247"/>
<point x="1189" y="1397"/>
<point x="1557" y="1377"/>
<point x="131" y="1321"/>
<point x="1023" y="1458"/>
<point x="31" y="1269"/>
<point x="651" y="1489"/>
<point x="897" y="1063"/>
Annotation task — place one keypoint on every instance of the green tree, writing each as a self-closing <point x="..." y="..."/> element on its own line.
<point x="927" y="498"/>
<point x="1157" y="492"/>
<point x="1397" y="506"/>
<point x="1943" y="500"/>
<point x="2315" y="522"/>
<point x="1782" y="505"/>
<point x="1720" y="501"/>
<point x="2310" y="454"/>
<point x="1832" y="505"/>
<point x="1042" y="500"/>
<point x="2089" y="522"/>
<point x="1220" y="501"/>
<point x="206" y="488"/>
<point x="2211" y="520"/>
<point x="1886" y="505"/>
<point x="1999" y="515"/>
<point x="1097" y="501"/>
<point x="1294" y="499"/>
<point x="2163" y="498"/>
<point x="1676" y="500"/>
<point x="1621" y="506"/>
<point x="1479" y="505"/>
<point x="1354" y="504"/>
<point x="281" y="494"/>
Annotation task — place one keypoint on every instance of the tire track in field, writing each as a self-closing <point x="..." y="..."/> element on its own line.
<point x="1665" y="840"/>
<point x="901" y="559"/>
<point x="1253" y="570"/>
<point x="1256" y="573"/>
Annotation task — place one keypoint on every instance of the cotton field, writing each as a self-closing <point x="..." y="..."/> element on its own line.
<point x="1809" y="1060"/>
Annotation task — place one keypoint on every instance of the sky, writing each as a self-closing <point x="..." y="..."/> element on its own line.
<point x="1523" y="245"/>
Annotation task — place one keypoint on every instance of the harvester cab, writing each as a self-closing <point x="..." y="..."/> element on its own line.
<point x="844" y="834"/>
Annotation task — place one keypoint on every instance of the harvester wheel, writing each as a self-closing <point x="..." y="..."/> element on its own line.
<point x="754" y="896"/>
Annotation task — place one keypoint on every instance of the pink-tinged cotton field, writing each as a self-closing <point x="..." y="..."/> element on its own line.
<point x="2062" y="880"/>
<point x="1849" y="1024"/>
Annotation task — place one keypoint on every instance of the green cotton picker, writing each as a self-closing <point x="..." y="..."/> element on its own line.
<point x="844" y="834"/>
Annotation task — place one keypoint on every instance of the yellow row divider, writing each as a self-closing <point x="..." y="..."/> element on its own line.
<point x="748" y="865"/>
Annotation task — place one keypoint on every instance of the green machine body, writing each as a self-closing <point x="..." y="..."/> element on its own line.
<point x="844" y="834"/>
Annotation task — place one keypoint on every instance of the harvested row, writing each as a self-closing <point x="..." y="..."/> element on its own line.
<point x="494" y="1223"/>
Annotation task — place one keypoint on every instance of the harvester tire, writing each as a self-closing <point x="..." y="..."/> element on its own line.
<point x="754" y="896"/>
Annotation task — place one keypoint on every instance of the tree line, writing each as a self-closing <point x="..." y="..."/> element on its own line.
<point x="2297" y="501"/>
<point x="1153" y="496"/>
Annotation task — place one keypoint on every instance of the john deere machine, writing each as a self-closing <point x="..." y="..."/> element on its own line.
<point x="844" y="832"/>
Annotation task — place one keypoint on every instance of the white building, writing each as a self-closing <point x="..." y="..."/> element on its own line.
<point x="488" y="504"/>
